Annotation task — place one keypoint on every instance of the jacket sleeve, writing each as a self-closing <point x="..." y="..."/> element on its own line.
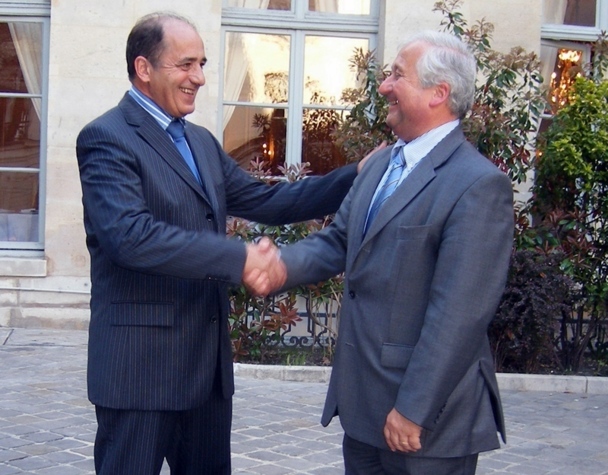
<point x="119" y="219"/>
<point x="282" y="203"/>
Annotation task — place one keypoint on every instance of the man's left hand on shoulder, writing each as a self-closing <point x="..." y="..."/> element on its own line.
<point x="365" y="159"/>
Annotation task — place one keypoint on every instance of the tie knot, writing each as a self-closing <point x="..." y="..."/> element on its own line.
<point x="176" y="129"/>
<point x="397" y="157"/>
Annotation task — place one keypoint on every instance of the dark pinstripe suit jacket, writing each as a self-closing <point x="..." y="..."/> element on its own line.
<point x="160" y="261"/>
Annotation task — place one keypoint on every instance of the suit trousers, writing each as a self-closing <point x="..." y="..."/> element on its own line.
<point x="194" y="442"/>
<point x="364" y="459"/>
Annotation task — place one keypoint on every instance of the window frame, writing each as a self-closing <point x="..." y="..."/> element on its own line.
<point x="574" y="37"/>
<point x="551" y="31"/>
<point x="301" y="24"/>
<point x="33" y="11"/>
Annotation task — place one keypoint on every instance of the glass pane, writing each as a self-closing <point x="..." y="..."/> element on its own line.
<point x="346" y="7"/>
<point x="568" y="65"/>
<point x="18" y="227"/>
<point x="323" y="54"/>
<point x="259" y="4"/>
<point x="20" y="57"/>
<point x="256" y="68"/>
<point x="256" y="133"/>
<point x="569" y="12"/>
<point x="318" y="146"/>
<point x="19" y="132"/>
<point x="18" y="192"/>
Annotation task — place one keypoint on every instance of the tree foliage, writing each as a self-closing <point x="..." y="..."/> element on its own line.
<point x="570" y="203"/>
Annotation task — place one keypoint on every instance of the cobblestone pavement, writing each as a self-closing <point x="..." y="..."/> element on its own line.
<point x="47" y="425"/>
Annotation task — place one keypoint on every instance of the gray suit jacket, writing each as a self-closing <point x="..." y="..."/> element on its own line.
<point x="160" y="261"/>
<point x="420" y="290"/>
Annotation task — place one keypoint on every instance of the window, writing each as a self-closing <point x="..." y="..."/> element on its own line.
<point x="574" y="16"/>
<point x="569" y="27"/>
<point x="286" y="66"/>
<point x="23" y="72"/>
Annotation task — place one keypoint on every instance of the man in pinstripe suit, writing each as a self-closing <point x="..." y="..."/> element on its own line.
<point x="160" y="365"/>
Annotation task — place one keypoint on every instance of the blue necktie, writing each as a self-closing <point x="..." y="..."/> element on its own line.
<point x="396" y="166"/>
<point x="176" y="130"/>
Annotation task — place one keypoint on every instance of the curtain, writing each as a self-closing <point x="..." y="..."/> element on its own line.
<point x="27" y="38"/>
<point x="235" y="71"/>
<point x="330" y="6"/>
<point x="236" y="62"/>
<point x="554" y="11"/>
<point x="254" y="4"/>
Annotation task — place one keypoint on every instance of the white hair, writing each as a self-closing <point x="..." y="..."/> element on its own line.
<point x="447" y="60"/>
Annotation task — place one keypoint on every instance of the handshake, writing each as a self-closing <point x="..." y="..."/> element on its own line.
<point x="264" y="270"/>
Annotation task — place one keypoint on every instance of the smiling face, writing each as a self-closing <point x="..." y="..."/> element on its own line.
<point x="412" y="108"/>
<point x="172" y="83"/>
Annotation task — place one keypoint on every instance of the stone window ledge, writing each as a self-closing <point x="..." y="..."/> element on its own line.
<point x="23" y="267"/>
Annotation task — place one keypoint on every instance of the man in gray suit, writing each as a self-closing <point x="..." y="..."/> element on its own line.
<point x="156" y="193"/>
<point x="413" y="378"/>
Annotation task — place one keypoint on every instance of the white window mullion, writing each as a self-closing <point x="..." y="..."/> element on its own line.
<point x="301" y="8"/>
<point x="296" y="98"/>
<point x="602" y="14"/>
<point x="44" y="127"/>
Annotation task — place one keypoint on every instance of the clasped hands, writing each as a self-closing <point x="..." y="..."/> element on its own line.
<point x="264" y="270"/>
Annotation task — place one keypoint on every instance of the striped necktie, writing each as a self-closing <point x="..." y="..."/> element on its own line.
<point x="397" y="164"/>
<point x="176" y="130"/>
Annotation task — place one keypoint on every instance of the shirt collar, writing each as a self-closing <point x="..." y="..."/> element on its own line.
<point x="152" y="108"/>
<point x="420" y="147"/>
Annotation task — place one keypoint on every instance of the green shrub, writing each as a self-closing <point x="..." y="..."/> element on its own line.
<point x="258" y="325"/>
<point x="524" y="333"/>
<point x="570" y="203"/>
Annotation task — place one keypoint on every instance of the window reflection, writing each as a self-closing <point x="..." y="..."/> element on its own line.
<point x="19" y="134"/>
<point x="347" y="7"/>
<point x="257" y="133"/>
<point x="259" y="4"/>
<point x="257" y="74"/>
<point x="568" y="68"/>
<point x="19" y="191"/>
<point x="569" y="12"/>
<point x="318" y="146"/>
<point x="252" y="64"/>
<point x="20" y="75"/>
<point x="323" y="54"/>
<point x="562" y="63"/>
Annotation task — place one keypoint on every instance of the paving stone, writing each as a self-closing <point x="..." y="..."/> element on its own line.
<point x="47" y="425"/>
<point x="8" y="470"/>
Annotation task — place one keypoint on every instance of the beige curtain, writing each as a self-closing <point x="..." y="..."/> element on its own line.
<point x="236" y="62"/>
<point x="27" y="38"/>
<point x="554" y="11"/>
<point x="328" y="6"/>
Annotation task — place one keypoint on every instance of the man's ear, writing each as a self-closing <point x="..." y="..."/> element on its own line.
<point x="142" y="69"/>
<point x="441" y="94"/>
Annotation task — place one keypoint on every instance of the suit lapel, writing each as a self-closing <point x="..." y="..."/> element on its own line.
<point x="209" y="170"/>
<point x="415" y="182"/>
<point x="149" y="130"/>
<point x="369" y="183"/>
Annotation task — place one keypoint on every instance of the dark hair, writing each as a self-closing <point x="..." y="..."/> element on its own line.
<point x="146" y="38"/>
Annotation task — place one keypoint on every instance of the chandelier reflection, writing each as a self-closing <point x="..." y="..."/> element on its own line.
<point x="567" y="70"/>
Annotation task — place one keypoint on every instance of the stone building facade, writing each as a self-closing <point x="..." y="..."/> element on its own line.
<point x="44" y="275"/>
